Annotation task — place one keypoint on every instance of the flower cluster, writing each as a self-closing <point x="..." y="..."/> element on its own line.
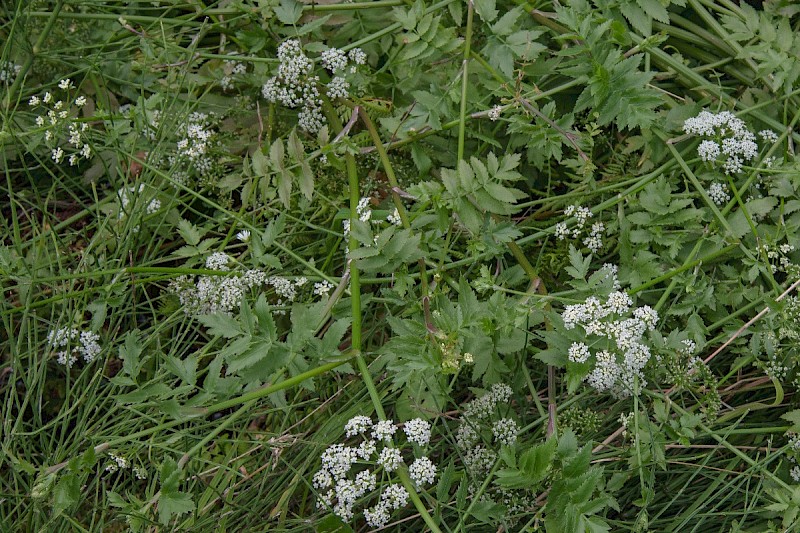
<point x="618" y="327"/>
<point x="9" y="71"/>
<point x="63" y="133"/>
<point x="322" y="288"/>
<point x="780" y="260"/>
<point x="295" y="85"/>
<point x="215" y="294"/>
<point x="197" y="140"/>
<point x="223" y="293"/>
<point x="729" y="137"/>
<point x="345" y="479"/>
<point x="485" y="426"/>
<point x="494" y="113"/>
<point x="793" y="449"/>
<point x="231" y="69"/>
<point x="593" y="238"/>
<point x="74" y="343"/>
<point x="718" y="192"/>
<point x="118" y="462"/>
<point x="394" y="218"/>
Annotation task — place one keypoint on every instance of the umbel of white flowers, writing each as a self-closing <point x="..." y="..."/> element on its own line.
<point x="295" y="85"/>
<point x="340" y="488"/>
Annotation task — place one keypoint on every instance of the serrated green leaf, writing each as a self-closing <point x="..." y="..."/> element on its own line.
<point x="172" y="503"/>
<point x="67" y="492"/>
<point x="289" y="11"/>
<point x="189" y="232"/>
<point x="130" y="351"/>
<point x="221" y="324"/>
<point x="186" y="369"/>
<point x="486" y="9"/>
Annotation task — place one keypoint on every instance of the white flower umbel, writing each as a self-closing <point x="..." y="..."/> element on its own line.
<point x="75" y="343"/>
<point x="422" y="471"/>
<point x="9" y="72"/>
<point x="296" y="86"/>
<point x="356" y="425"/>
<point x="620" y="362"/>
<point x="505" y="431"/>
<point x="383" y="430"/>
<point x="728" y="138"/>
<point x="418" y="431"/>
<point x="342" y="482"/>
<point x="322" y="288"/>
<point x="592" y="235"/>
<point x="718" y="192"/>
<point x="390" y="459"/>
<point x="394" y="218"/>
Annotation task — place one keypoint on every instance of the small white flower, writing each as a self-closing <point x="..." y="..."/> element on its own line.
<point x="139" y="472"/>
<point x="80" y="101"/>
<point x="384" y="430"/>
<point x="718" y="192"/>
<point x="65" y="84"/>
<point x="243" y="235"/>
<point x="768" y="135"/>
<point x="322" y="479"/>
<point x="505" y="431"/>
<point x="377" y="516"/>
<point x="422" y="471"/>
<point x="357" y="56"/>
<point x="390" y="459"/>
<point x="338" y="87"/>
<point x="394" y="218"/>
<point x="34" y="101"/>
<point x="357" y="424"/>
<point x="578" y="352"/>
<point x="395" y="496"/>
<point x="218" y="261"/>
<point x="366" y="449"/>
<point x="494" y="113"/>
<point x="561" y="231"/>
<point x="322" y="288"/>
<point x="418" y="431"/>
<point x="333" y="60"/>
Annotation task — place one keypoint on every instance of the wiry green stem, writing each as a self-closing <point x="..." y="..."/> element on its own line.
<point x="462" y="114"/>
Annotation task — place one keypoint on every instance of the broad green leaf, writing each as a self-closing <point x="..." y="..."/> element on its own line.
<point x="221" y="324"/>
<point x="486" y="9"/>
<point x="289" y="11"/>
<point x="186" y="369"/>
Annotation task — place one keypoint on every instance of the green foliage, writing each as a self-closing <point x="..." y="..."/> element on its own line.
<point x="578" y="103"/>
<point x="171" y="501"/>
<point x="617" y="90"/>
<point x="276" y="171"/>
<point x="476" y="189"/>
<point x="770" y="43"/>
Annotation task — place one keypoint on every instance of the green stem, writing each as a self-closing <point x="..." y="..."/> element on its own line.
<point x="707" y="259"/>
<point x="462" y="116"/>
<point x="390" y="175"/>
<point x="26" y="66"/>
